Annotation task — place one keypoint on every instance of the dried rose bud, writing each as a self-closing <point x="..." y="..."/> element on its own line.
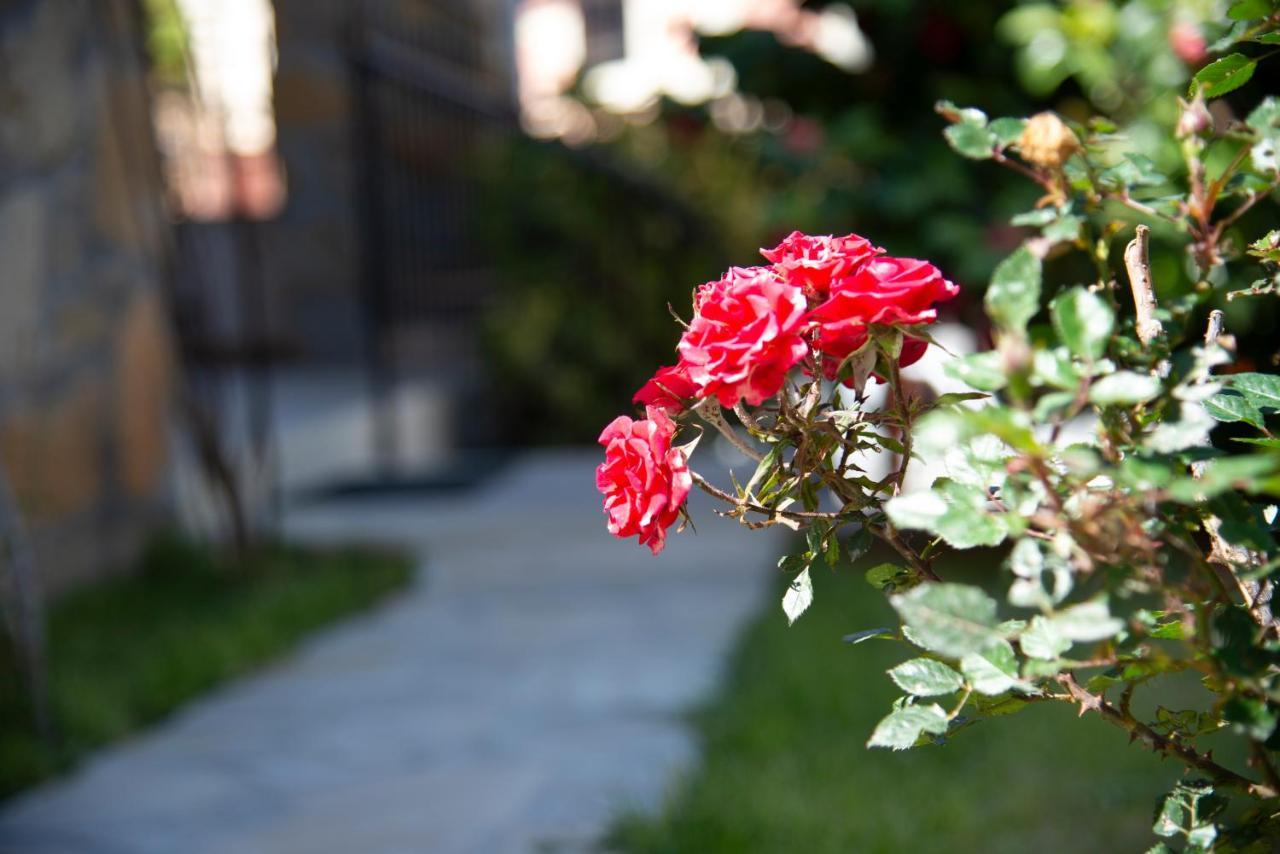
<point x="1047" y="142"/>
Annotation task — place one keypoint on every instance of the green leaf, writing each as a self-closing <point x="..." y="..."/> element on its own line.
<point x="1172" y="815"/>
<point x="1011" y="426"/>
<point x="954" y="511"/>
<point x="1201" y="838"/>
<point x="1160" y="624"/>
<point x="1042" y="578"/>
<point x="1007" y="130"/>
<point x="1228" y="407"/>
<point x="1264" y="443"/>
<point x="887" y="576"/>
<point x="949" y="619"/>
<point x="953" y="397"/>
<point x="1083" y="322"/>
<point x="1086" y="622"/>
<point x="967" y="524"/>
<point x="1041" y="640"/>
<point x="1226" y="75"/>
<point x="1265" y="118"/>
<point x="1064" y="230"/>
<point x="1250" y="716"/>
<point x="1268" y="38"/>
<point x="902" y="728"/>
<point x="1050" y="404"/>
<point x="1262" y="390"/>
<point x="868" y="634"/>
<point x="971" y="137"/>
<point x="766" y="465"/>
<point x="918" y="511"/>
<point x="1055" y="367"/>
<point x="1135" y="170"/>
<point x="1124" y="388"/>
<point x="1247" y="10"/>
<point x="993" y="669"/>
<point x="925" y="677"/>
<point x="1190" y="803"/>
<point x="1037" y="217"/>
<point x="1223" y="474"/>
<point x="1014" y="295"/>
<point x="1190" y="429"/>
<point x="798" y="598"/>
<point x="983" y="371"/>
<point x="1266" y="158"/>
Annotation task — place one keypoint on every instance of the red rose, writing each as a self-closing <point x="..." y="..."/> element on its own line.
<point x="643" y="478"/>
<point x="899" y="291"/>
<point x="814" y="263"/>
<point x="745" y="336"/>
<point x="668" y="389"/>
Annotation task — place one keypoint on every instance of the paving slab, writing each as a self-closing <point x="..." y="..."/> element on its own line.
<point x="531" y="683"/>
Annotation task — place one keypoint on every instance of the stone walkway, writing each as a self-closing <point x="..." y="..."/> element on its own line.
<point x="527" y="687"/>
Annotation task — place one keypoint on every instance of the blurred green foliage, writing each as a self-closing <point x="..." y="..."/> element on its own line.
<point x="591" y="252"/>
<point x="127" y="651"/>
<point x="587" y="267"/>
<point x="166" y="35"/>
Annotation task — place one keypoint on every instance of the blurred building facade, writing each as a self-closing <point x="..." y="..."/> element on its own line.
<point x="86" y="362"/>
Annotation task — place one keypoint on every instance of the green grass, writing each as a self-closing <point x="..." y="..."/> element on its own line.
<point x="784" y="766"/>
<point x="125" y="652"/>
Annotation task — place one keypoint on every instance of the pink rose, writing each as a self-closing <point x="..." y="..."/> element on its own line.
<point x="745" y="336"/>
<point x="814" y="263"/>
<point x="644" y="480"/>
<point x="897" y="291"/>
<point x="668" y="389"/>
<point x="1188" y="43"/>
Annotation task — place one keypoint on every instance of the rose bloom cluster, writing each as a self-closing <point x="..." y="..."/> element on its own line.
<point x="811" y="307"/>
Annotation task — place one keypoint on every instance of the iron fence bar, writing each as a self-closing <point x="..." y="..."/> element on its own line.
<point x="372" y="225"/>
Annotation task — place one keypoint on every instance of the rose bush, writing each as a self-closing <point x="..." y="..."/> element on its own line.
<point x="818" y="302"/>
<point x="1140" y="532"/>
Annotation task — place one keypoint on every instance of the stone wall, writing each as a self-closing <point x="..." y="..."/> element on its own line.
<point x="85" y="355"/>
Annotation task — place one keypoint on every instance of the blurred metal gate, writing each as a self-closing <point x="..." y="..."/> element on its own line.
<point x="428" y="103"/>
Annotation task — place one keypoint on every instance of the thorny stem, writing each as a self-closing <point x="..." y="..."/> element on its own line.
<point x="813" y="396"/>
<point x="1254" y="197"/>
<point x="890" y="536"/>
<point x="904" y="413"/>
<point x="748" y="420"/>
<point x="964" y="698"/>
<point x="1138" y="263"/>
<point x="1146" y="210"/>
<point x="1263" y="760"/>
<point x="1215" y="189"/>
<point x="1139" y="731"/>
<point x="795" y="515"/>
<point x="709" y="411"/>
<point x="1047" y="184"/>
